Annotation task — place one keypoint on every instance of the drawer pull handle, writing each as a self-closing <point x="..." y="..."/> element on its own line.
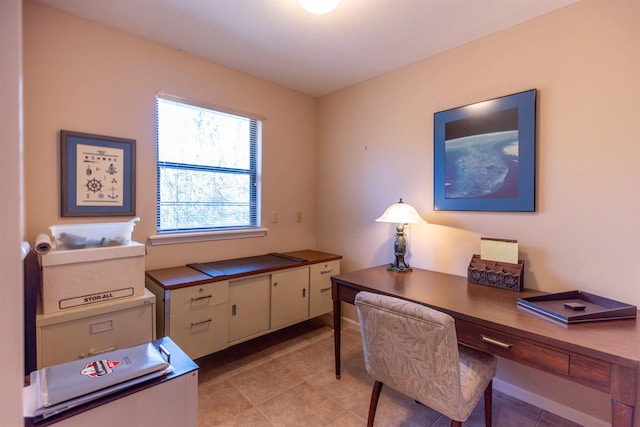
<point x="201" y="298"/>
<point x="99" y="327"/>
<point x="326" y="271"/>
<point x="495" y="342"/>
<point x="96" y="352"/>
<point x="325" y="289"/>
<point x="202" y="322"/>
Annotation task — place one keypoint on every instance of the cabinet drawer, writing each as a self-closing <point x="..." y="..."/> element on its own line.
<point x="201" y="332"/>
<point x="324" y="270"/>
<point x="509" y="347"/>
<point x="320" y="301"/>
<point x="186" y="300"/>
<point x="88" y="336"/>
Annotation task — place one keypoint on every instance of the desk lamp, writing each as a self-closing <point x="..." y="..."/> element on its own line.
<point x="400" y="213"/>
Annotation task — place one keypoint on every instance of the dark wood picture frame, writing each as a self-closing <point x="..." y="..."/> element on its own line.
<point x="97" y="175"/>
<point x="484" y="155"/>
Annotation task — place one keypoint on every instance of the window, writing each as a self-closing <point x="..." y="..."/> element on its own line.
<point x="208" y="168"/>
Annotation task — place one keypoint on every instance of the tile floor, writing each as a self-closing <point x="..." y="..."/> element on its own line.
<point x="287" y="378"/>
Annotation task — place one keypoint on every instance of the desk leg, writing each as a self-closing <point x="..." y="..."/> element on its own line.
<point x="337" y="326"/>
<point x="623" y="395"/>
<point x="621" y="414"/>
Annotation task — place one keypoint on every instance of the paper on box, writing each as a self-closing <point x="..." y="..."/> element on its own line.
<point x="500" y="250"/>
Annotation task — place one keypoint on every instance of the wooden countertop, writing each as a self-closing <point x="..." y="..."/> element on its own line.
<point x="184" y="276"/>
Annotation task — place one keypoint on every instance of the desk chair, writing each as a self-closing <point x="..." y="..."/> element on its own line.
<point x="414" y="350"/>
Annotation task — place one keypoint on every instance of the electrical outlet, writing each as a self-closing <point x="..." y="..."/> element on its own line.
<point x="299" y="216"/>
<point x="274" y="217"/>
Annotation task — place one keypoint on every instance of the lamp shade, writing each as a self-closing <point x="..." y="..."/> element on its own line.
<point x="401" y="213"/>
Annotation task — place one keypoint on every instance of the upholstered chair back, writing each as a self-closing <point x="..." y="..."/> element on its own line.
<point x="413" y="349"/>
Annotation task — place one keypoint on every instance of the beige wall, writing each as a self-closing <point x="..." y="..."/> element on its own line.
<point x="376" y="145"/>
<point x="11" y="214"/>
<point x="84" y="77"/>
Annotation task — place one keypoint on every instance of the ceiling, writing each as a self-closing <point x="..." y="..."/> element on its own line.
<point x="278" y="41"/>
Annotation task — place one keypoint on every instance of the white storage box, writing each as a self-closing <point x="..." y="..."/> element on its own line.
<point x="95" y="235"/>
<point x="88" y="276"/>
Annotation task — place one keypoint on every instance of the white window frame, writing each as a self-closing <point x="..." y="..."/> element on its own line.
<point x="221" y="233"/>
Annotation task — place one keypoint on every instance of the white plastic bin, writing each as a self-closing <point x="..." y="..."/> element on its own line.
<point x="95" y="235"/>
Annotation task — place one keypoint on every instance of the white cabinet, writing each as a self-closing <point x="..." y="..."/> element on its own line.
<point x="204" y="314"/>
<point x="320" y="301"/>
<point x="82" y="332"/>
<point x="289" y="297"/>
<point x="248" y="307"/>
<point x="171" y="403"/>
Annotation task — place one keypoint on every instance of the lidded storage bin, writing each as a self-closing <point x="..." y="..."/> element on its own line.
<point x="75" y="278"/>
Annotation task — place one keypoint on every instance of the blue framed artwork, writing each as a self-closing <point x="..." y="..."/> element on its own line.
<point x="97" y="175"/>
<point x="484" y="155"/>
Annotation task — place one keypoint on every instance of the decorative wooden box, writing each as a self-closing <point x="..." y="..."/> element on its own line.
<point x="498" y="274"/>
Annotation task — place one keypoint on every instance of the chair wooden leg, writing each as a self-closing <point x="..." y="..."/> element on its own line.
<point x="488" y="398"/>
<point x="373" y="405"/>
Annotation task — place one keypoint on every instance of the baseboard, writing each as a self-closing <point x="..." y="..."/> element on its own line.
<point x="352" y="323"/>
<point x="548" y="404"/>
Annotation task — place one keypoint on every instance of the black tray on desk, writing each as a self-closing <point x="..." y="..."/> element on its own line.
<point x="596" y="308"/>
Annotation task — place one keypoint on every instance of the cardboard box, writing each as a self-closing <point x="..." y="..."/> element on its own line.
<point x="76" y="278"/>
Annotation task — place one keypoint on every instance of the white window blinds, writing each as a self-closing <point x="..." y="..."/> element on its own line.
<point x="208" y="168"/>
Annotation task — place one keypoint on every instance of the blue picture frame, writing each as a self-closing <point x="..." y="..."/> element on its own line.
<point x="97" y="175"/>
<point x="484" y="155"/>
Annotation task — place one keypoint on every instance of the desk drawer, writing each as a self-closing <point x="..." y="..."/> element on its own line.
<point x="509" y="347"/>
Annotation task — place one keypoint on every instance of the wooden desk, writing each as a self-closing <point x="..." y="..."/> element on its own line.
<point x="602" y="355"/>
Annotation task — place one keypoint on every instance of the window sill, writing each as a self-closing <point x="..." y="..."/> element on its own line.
<point x="174" y="238"/>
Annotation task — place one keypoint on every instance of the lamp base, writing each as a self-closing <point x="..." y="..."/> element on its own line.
<point x="400" y="248"/>
<point x="399" y="268"/>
